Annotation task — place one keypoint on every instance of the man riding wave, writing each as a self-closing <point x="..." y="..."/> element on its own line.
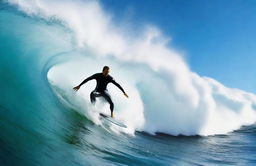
<point x="102" y="79"/>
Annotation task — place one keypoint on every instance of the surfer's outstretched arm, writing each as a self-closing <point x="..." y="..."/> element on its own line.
<point x="119" y="86"/>
<point x="84" y="81"/>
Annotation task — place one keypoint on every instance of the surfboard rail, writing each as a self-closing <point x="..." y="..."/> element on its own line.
<point x="114" y="121"/>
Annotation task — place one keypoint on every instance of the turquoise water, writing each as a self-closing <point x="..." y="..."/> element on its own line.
<point x="38" y="129"/>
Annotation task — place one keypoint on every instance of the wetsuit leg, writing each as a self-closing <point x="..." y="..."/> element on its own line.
<point x="106" y="95"/>
<point x="93" y="97"/>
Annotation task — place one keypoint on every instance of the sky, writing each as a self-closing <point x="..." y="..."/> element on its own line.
<point x="218" y="37"/>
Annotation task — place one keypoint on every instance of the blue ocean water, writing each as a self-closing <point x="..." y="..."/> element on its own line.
<point x="38" y="129"/>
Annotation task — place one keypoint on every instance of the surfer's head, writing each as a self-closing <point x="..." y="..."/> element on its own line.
<point x="105" y="70"/>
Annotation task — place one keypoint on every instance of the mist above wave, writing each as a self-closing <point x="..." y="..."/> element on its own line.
<point x="174" y="99"/>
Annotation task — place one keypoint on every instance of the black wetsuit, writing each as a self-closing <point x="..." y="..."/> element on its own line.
<point x="101" y="88"/>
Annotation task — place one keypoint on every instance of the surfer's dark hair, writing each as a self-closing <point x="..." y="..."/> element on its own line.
<point x="105" y="67"/>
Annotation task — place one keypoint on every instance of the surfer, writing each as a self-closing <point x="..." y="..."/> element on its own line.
<point x="102" y="79"/>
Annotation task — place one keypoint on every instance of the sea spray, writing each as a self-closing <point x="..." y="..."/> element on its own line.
<point x="175" y="99"/>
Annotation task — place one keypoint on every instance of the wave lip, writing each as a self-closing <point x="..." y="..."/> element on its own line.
<point x="174" y="99"/>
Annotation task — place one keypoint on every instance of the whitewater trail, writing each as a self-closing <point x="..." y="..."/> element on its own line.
<point x="165" y="95"/>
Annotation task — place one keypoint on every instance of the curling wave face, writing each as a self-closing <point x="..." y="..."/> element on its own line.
<point x="165" y="95"/>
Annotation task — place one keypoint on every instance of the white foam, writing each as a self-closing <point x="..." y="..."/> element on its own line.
<point x="165" y="96"/>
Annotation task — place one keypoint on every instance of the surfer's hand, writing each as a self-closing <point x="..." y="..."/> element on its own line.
<point x="126" y="95"/>
<point x="76" y="88"/>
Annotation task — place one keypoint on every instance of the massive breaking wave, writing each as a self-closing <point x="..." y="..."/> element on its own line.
<point x="59" y="43"/>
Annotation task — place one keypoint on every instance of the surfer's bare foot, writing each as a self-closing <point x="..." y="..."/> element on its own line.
<point x="112" y="115"/>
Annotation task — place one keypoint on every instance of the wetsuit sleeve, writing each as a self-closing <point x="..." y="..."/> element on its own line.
<point x="88" y="79"/>
<point x="116" y="84"/>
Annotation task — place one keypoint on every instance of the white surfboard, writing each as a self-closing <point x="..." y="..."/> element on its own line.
<point x="114" y="121"/>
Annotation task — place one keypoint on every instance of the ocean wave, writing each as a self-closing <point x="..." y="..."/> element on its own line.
<point x="165" y="95"/>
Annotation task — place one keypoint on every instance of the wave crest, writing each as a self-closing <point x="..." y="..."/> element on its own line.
<point x="174" y="99"/>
